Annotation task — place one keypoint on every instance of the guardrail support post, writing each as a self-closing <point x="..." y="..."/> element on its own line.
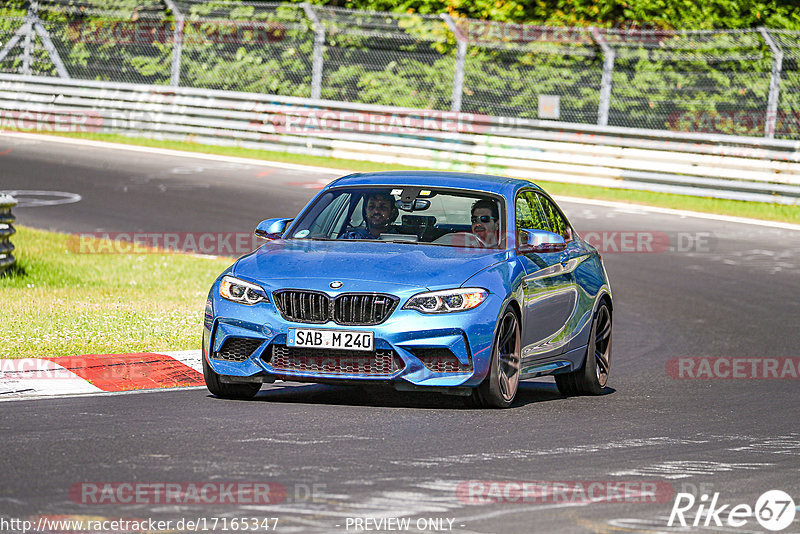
<point x="319" y="45"/>
<point x="177" y="44"/>
<point x="605" y="83"/>
<point x="774" y="83"/>
<point x="7" y="259"/>
<point x="461" y="58"/>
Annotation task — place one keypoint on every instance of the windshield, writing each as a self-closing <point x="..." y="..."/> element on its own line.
<point x="404" y="215"/>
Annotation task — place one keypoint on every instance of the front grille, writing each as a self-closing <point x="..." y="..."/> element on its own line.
<point x="351" y="309"/>
<point x="303" y="306"/>
<point x="441" y="360"/>
<point x="362" y="309"/>
<point x="326" y="361"/>
<point x="237" y="349"/>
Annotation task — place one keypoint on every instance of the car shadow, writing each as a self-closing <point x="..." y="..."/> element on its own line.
<point x="387" y="397"/>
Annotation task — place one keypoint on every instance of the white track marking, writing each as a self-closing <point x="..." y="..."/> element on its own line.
<point x="339" y="172"/>
<point x="27" y="377"/>
<point x="190" y="358"/>
<point x="687" y="468"/>
<point x="178" y="153"/>
<point x="639" y="209"/>
<point x="524" y="453"/>
<point x="28" y="199"/>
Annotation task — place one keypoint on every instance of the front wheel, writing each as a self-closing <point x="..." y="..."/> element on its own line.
<point x="227" y="391"/>
<point x="500" y="387"/>
<point x="592" y="377"/>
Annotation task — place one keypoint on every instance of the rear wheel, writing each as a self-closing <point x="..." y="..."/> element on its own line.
<point x="227" y="391"/>
<point x="592" y="377"/>
<point x="500" y="386"/>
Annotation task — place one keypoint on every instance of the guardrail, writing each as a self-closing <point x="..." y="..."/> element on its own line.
<point x="7" y="259"/>
<point x="712" y="165"/>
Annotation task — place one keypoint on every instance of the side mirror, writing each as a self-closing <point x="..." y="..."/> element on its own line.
<point x="272" y="228"/>
<point x="538" y="241"/>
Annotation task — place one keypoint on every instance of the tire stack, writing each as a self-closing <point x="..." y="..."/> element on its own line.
<point x="7" y="259"/>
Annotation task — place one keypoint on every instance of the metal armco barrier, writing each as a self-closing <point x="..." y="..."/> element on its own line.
<point x="7" y="259"/>
<point x="711" y="165"/>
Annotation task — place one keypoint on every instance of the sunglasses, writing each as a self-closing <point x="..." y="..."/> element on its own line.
<point x="483" y="218"/>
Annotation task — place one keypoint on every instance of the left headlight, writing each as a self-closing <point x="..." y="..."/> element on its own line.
<point x="449" y="300"/>
<point x="241" y="291"/>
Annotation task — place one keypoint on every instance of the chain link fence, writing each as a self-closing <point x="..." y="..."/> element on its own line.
<point x="740" y="82"/>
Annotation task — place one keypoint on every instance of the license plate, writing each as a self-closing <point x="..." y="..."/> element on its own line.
<point x="330" y="339"/>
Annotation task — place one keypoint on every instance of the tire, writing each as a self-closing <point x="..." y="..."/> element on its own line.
<point x="500" y="386"/>
<point x="227" y="391"/>
<point x="592" y="377"/>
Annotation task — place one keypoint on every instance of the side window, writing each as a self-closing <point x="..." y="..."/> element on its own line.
<point x="558" y="225"/>
<point x="529" y="212"/>
<point x="328" y="220"/>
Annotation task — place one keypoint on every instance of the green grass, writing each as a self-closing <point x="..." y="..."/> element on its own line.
<point x="756" y="210"/>
<point x="58" y="302"/>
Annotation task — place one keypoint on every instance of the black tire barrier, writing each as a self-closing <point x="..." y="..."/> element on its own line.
<point x="7" y="259"/>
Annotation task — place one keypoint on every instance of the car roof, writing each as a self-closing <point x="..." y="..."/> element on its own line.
<point x="458" y="180"/>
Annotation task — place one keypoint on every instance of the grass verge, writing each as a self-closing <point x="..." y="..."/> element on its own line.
<point x="755" y="210"/>
<point x="58" y="302"/>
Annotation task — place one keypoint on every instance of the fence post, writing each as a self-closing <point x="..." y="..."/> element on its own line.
<point x="774" y="83"/>
<point x="605" y="83"/>
<point x="319" y="44"/>
<point x="177" y="44"/>
<point x="47" y="42"/>
<point x="28" y="43"/>
<point x="7" y="259"/>
<point x="461" y="58"/>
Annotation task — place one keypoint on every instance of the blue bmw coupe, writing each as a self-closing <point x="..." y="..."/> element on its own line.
<point x="454" y="283"/>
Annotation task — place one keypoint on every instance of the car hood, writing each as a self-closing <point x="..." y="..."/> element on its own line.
<point x="410" y="265"/>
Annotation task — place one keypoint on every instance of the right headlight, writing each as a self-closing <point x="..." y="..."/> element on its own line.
<point x="241" y="291"/>
<point x="447" y="301"/>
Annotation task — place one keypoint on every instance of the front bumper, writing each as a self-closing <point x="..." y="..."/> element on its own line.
<point x="441" y="350"/>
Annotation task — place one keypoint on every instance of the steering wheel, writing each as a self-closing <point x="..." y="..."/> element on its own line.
<point x="461" y="239"/>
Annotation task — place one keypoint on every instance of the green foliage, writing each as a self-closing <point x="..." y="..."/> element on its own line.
<point x="662" y="79"/>
<point x="675" y="14"/>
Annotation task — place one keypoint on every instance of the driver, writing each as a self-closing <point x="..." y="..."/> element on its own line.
<point x="379" y="213"/>
<point x="485" y="221"/>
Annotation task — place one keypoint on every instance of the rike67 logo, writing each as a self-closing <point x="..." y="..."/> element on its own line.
<point x="774" y="510"/>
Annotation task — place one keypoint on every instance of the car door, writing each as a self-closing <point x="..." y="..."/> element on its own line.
<point x="549" y="287"/>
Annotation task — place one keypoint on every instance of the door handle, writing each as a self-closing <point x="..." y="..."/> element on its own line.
<point x="564" y="258"/>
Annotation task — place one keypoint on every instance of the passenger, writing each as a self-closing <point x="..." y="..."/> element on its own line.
<point x="379" y="213"/>
<point x="485" y="221"/>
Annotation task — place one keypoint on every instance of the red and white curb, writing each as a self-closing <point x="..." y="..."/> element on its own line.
<point x="98" y="373"/>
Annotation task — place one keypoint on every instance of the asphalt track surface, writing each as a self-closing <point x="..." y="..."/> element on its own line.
<point x="382" y="454"/>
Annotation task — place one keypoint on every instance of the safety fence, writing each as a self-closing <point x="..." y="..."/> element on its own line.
<point x="721" y="166"/>
<point x="738" y="82"/>
<point x="7" y="259"/>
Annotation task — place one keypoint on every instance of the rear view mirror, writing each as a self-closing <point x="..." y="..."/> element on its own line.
<point x="539" y="241"/>
<point x="419" y="204"/>
<point x="272" y="228"/>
